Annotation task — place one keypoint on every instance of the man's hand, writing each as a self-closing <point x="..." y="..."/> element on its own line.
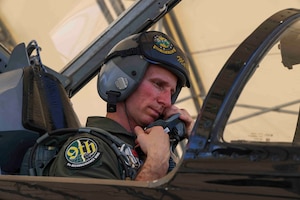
<point x="154" y="142"/>
<point x="184" y="116"/>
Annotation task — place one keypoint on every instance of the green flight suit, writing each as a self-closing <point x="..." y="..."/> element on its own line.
<point x="86" y="155"/>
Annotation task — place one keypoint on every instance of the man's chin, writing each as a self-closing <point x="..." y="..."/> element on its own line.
<point x="150" y="120"/>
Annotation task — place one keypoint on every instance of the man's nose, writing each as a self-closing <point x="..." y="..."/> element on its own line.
<point x="165" y="98"/>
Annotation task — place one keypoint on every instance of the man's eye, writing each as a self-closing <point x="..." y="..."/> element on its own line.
<point x="158" y="84"/>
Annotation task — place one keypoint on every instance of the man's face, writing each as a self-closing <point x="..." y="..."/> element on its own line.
<point x="152" y="96"/>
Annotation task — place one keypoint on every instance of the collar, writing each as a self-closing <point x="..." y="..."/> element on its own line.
<point x="112" y="127"/>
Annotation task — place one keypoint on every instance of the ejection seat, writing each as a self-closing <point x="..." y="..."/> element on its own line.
<point x="32" y="102"/>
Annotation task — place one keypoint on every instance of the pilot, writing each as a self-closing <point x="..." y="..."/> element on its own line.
<point x="140" y="80"/>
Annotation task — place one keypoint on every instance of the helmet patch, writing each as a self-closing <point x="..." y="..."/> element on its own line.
<point x="163" y="45"/>
<point x="81" y="152"/>
<point x="182" y="61"/>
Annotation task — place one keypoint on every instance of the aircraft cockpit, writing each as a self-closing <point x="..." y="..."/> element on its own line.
<point x="244" y="97"/>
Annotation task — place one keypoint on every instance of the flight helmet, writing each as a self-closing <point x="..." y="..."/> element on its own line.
<point x="128" y="60"/>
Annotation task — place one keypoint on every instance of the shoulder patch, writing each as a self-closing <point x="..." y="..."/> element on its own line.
<point x="82" y="152"/>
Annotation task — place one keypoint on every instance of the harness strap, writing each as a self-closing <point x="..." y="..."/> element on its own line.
<point x="130" y="163"/>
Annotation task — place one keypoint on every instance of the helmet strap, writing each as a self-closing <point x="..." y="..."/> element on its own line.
<point x="112" y="97"/>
